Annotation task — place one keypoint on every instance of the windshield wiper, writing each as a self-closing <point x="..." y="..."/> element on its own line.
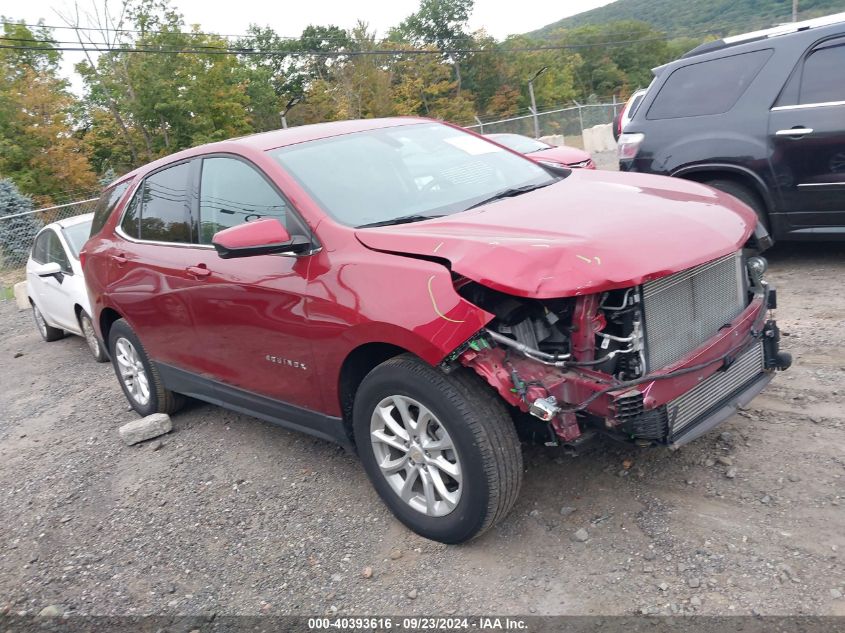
<point x="402" y="219"/>
<point x="509" y="193"/>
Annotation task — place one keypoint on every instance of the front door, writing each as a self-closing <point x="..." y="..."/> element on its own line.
<point x="251" y="312"/>
<point x="807" y="136"/>
<point x="54" y="294"/>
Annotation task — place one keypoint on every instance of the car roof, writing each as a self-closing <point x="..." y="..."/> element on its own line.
<point x="827" y="24"/>
<point x="265" y="141"/>
<point x="77" y="219"/>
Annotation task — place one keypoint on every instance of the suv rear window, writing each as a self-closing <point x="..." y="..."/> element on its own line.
<point x="105" y="205"/>
<point x="710" y="87"/>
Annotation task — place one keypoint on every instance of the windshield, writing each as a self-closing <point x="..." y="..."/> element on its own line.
<point x="424" y="169"/>
<point x="519" y="143"/>
<point x="76" y="235"/>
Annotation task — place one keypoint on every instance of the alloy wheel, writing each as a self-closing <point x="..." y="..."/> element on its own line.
<point x="416" y="455"/>
<point x="132" y="371"/>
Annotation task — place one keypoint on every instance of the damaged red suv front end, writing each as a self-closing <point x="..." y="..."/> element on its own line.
<point x="654" y="336"/>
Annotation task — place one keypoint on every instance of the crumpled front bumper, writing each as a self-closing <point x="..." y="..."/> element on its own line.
<point x="721" y="412"/>
<point x="671" y="406"/>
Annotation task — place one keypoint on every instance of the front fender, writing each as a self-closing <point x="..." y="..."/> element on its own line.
<point x="372" y="297"/>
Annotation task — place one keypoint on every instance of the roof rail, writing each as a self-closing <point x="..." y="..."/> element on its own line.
<point x="781" y="29"/>
<point x="789" y="27"/>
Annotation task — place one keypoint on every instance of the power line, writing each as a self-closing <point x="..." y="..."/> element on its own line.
<point x="90" y="46"/>
<point x="211" y="50"/>
<point x="344" y="40"/>
<point x="140" y="31"/>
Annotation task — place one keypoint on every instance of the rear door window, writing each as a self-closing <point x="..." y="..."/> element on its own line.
<point x="823" y="79"/>
<point x="706" y="88"/>
<point x="164" y="208"/>
<point x="159" y="210"/>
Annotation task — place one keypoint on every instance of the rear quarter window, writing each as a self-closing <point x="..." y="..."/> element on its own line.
<point x="705" y="88"/>
<point x="105" y="205"/>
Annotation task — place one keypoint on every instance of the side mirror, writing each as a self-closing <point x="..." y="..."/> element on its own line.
<point x="48" y="270"/>
<point x="261" y="237"/>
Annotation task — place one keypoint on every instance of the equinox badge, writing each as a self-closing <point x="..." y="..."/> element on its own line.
<point x="285" y="361"/>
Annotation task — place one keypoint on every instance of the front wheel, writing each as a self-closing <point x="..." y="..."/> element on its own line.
<point x="47" y="332"/>
<point x="441" y="451"/>
<point x="743" y="194"/>
<point x="98" y="350"/>
<point x="137" y="375"/>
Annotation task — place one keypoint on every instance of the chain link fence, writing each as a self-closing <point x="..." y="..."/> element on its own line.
<point x="17" y="232"/>
<point x="570" y="122"/>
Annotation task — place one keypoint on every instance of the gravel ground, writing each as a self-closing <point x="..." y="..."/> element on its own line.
<point x="234" y="516"/>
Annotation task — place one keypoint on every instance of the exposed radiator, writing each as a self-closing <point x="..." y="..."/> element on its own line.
<point x="684" y="310"/>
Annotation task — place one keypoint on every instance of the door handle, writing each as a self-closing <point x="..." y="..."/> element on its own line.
<point x="200" y="272"/>
<point x="795" y="131"/>
<point x="120" y="260"/>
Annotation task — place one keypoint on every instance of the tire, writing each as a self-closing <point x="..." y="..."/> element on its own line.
<point x="95" y="345"/>
<point x="743" y="194"/>
<point x="143" y="387"/>
<point x="47" y="332"/>
<point x="464" y="415"/>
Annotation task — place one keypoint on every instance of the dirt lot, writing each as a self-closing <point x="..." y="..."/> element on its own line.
<point x="233" y="516"/>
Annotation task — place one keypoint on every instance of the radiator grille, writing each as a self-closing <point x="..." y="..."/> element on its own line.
<point x="684" y="310"/>
<point x="690" y="407"/>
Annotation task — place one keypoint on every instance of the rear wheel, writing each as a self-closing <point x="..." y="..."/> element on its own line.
<point x="743" y="194"/>
<point x="47" y="332"/>
<point x="138" y="377"/>
<point x="441" y="451"/>
<point x="98" y="350"/>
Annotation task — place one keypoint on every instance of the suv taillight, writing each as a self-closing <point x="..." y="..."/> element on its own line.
<point x="629" y="145"/>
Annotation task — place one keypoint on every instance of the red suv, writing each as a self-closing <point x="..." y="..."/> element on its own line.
<point x="412" y="290"/>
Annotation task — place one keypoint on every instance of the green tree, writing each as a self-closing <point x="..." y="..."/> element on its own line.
<point x="165" y="102"/>
<point x="39" y="147"/>
<point x="16" y="233"/>
<point x="439" y="23"/>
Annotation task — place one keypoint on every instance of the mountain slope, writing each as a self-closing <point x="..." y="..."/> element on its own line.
<point x="717" y="17"/>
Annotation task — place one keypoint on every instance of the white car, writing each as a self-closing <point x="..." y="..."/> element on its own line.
<point x="627" y="113"/>
<point x="55" y="284"/>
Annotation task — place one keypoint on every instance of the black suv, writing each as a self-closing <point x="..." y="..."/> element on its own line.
<point x="760" y="116"/>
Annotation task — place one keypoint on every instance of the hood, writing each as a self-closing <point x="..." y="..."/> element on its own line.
<point x="590" y="232"/>
<point x="561" y="154"/>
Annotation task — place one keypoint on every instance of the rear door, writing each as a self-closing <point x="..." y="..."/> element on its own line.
<point x="151" y="267"/>
<point x="807" y="137"/>
<point x="250" y="313"/>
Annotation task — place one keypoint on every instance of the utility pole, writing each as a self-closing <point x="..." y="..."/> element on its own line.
<point x="291" y="103"/>
<point x="794" y="10"/>
<point x="533" y="102"/>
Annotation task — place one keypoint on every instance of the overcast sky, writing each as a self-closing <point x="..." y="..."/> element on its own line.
<point x="499" y="18"/>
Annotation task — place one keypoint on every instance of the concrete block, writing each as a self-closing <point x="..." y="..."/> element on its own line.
<point x="554" y="139"/>
<point x="599" y="138"/>
<point x="21" y="297"/>
<point x="145" y="429"/>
